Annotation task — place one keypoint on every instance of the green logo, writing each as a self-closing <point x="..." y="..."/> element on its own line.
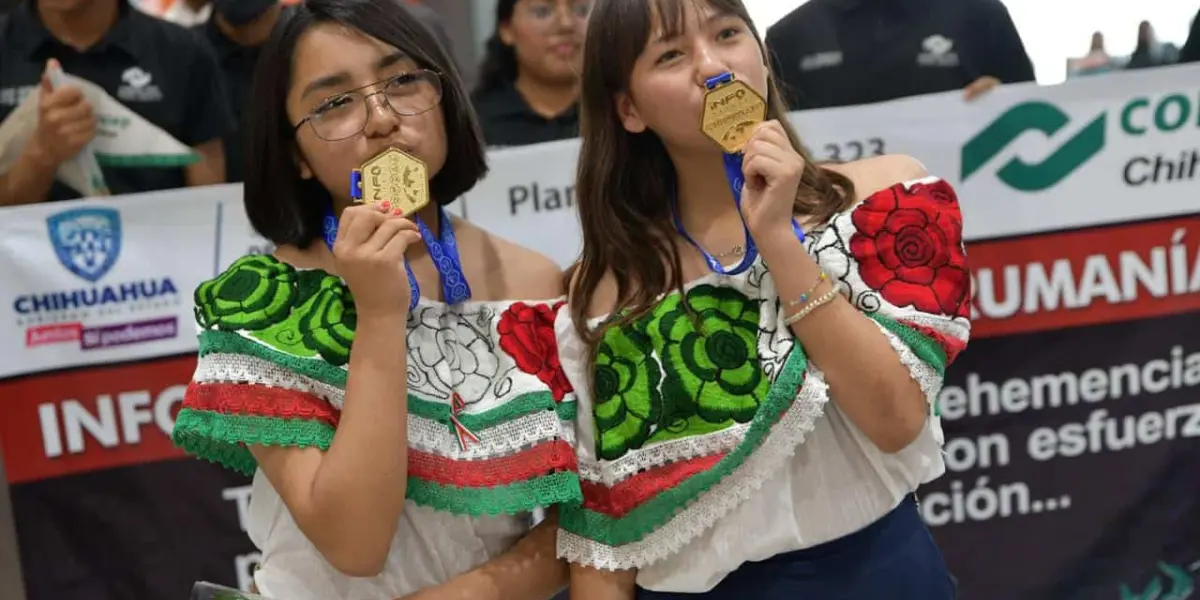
<point x="1035" y="116"/>
<point x="1181" y="582"/>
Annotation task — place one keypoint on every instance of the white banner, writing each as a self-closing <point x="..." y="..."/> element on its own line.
<point x="104" y="280"/>
<point x="98" y="281"/>
<point x="1124" y="146"/>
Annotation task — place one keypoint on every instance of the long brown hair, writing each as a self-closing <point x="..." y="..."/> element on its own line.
<point x="623" y="180"/>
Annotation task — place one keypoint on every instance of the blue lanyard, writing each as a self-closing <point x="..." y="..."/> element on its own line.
<point x="733" y="173"/>
<point x="443" y="249"/>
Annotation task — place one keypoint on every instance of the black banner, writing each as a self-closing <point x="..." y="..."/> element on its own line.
<point x="1074" y="463"/>
<point x="106" y="508"/>
<point x="139" y="532"/>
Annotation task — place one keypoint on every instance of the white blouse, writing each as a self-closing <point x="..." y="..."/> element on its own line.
<point x="429" y="548"/>
<point x="836" y="483"/>
<point x="489" y="430"/>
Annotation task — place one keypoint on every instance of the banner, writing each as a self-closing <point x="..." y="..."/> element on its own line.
<point x="1023" y="158"/>
<point x="103" y="506"/>
<point x="1072" y="420"/>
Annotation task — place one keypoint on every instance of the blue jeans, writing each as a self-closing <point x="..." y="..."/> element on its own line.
<point x="894" y="558"/>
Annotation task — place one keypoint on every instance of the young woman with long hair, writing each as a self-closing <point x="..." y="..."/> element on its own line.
<point x="401" y="414"/>
<point x="756" y="365"/>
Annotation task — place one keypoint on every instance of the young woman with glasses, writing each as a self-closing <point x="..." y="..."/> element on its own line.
<point x="400" y="413"/>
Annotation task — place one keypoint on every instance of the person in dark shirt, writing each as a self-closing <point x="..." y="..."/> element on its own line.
<point x="1191" y="48"/>
<point x="159" y="70"/>
<point x="845" y="52"/>
<point x="529" y="79"/>
<point x="236" y="32"/>
<point x="1150" y="52"/>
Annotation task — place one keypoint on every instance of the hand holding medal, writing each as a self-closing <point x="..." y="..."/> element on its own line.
<point x="397" y="182"/>
<point x="733" y="117"/>
<point x="772" y="169"/>
<point x="369" y="252"/>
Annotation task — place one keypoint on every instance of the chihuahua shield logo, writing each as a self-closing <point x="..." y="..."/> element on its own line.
<point x="86" y="240"/>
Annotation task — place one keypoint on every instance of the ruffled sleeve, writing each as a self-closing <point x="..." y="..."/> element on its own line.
<point x="274" y="343"/>
<point x="899" y="257"/>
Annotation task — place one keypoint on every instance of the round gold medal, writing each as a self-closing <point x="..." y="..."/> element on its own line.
<point x="730" y="113"/>
<point x="395" y="177"/>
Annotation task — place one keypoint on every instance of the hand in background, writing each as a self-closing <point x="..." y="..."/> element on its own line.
<point x="65" y="122"/>
<point x="979" y="87"/>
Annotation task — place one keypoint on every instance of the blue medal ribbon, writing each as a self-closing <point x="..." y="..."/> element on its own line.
<point x="733" y="173"/>
<point x="443" y="250"/>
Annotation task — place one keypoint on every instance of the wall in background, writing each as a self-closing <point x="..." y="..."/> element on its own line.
<point x="458" y="16"/>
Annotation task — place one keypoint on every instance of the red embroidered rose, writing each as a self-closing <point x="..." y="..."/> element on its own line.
<point x="909" y="246"/>
<point x="939" y="191"/>
<point x="527" y="334"/>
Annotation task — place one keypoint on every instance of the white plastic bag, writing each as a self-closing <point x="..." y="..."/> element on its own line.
<point x="123" y="139"/>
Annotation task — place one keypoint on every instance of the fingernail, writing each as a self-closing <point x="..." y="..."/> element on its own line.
<point x="385" y="205"/>
<point x="399" y="212"/>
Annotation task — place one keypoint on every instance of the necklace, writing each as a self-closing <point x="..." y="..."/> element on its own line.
<point x="737" y="250"/>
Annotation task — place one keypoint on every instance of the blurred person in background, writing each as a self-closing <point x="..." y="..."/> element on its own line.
<point x="528" y="88"/>
<point x="845" y="52"/>
<point x="1191" y="48"/>
<point x="1149" y="51"/>
<point x="236" y="32"/>
<point x="1096" y="61"/>
<point x="157" y="69"/>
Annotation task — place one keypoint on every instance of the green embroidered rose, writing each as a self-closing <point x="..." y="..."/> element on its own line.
<point x="255" y="292"/>
<point x="712" y="358"/>
<point x="327" y="321"/>
<point x="628" y="402"/>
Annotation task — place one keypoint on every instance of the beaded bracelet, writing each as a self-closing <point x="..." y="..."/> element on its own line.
<point x="808" y="294"/>
<point x="820" y="301"/>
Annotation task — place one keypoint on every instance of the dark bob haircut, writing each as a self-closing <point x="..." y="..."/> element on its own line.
<point x="499" y="66"/>
<point x="287" y="209"/>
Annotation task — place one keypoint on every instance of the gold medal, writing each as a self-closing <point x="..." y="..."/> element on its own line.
<point x="395" y="177"/>
<point x="731" y="110"/>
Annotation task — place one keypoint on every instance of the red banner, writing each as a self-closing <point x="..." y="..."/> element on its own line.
<point x="58" y="424"/>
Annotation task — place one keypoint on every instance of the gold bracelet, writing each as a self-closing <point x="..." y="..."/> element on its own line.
<point x="824" y="299"/>
<point x="803" y="299"/>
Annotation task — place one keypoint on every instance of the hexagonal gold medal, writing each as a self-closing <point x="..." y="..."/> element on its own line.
<point x="730" y="113"/>
<point x="396" y="177"/>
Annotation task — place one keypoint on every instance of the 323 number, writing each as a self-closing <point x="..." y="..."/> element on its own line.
<point x="851" y="151"/>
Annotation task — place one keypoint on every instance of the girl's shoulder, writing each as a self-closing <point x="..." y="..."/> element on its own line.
<point x="602" y="298"/>
<point x="509" y="269"/>
<point x="871" y="175"/>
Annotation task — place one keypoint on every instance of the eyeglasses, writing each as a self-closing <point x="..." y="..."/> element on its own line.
<point x="345" y="115"/>
<point x="546" y="12"/>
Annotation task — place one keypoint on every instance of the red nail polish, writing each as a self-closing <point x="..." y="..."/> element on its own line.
<point x="399" y="212"/>
<point x="385" y="205"/>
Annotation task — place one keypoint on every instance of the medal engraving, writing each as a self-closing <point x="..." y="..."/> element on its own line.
<point x="730" y="113"/>
<point x="397" y="178"/>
